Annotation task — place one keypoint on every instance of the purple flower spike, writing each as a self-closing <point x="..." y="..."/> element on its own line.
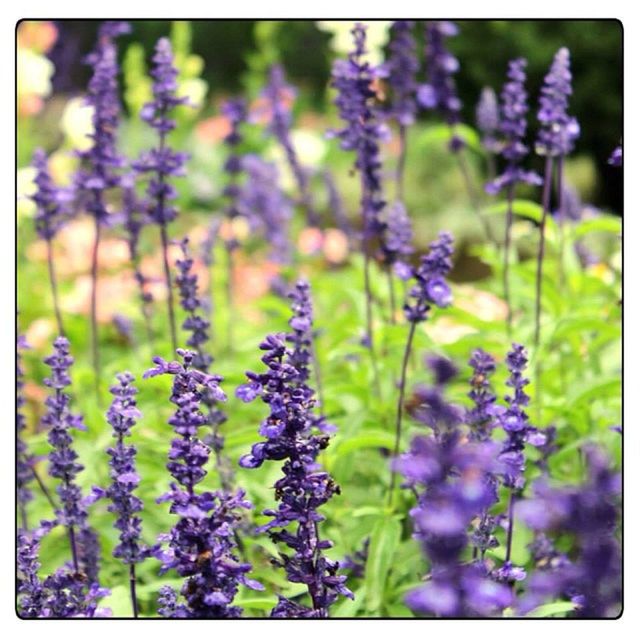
<point x="201" y="545"/>
<point x="488" y="119"/>
<point x="401" y="69"/>
<point x="558" y="131"/>
<point x="294" y="434"/>
<point x="482" y="418"/>
<point x="430" y="286"/>
<point x="513" y="126"/>
<point x="615" y="159"/>
<point x="25" y="459"/>
<point x="439" y="93"/>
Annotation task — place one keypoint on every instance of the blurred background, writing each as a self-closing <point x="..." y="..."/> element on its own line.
<point x="230" y="55"/>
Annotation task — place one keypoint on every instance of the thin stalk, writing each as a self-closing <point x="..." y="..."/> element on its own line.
<point x="402" y="161"/>
<point x="43" y="488"/>
<point x="400" y="407"/>
<point x="229" y="292"/>
<point x="74" y="551"/>
<point x="169" y="285"/>
<point x="392" y="297"/>
<point x="95" y="353"/>
<point x="23" y="517"/>
<point x="369" y="311"/>
<point x="512" y="500"/>
<point x="546" y="196"/>
<point x="505" y="268"/>
<point x="54" y="287"/>
<point x="473" y="197"/>
<point x="132" y="589"/>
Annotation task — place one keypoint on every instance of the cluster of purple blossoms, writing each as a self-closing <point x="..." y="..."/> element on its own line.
<point x="482" y="417"/>
<point x="235" y="111"/>
<point x="201" y="545"/>
<point x="558" y="131"/>
<point x="162" y="162"/>
<point x="430" y="285"/>
<point x="102" y="159"/>
<point x="397" y="245"/>
<point x="447" y="472"/>
<point x="279" y="96"/>
<point x="488" y="119"/>
<point x="265" y="206"/>
<point x="59" y="421"/>
<point x="589" y="513"/>
<point x="515" y="421"/>
<point x="301" y="336"/>
<point x="291" y="432"/>
<point x="354" y="78"/>
<point x="48" y="198"/>
<point x="24" y="458"/>
<point x="439" y="93"/>
<point x="513" y="126"/>
<point x="401" y="69"/>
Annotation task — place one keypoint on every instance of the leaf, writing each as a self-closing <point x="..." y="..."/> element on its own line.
<point x="551" y="609"/>
<point x="370" y="440"/>
<point x="523" y="208"/>
<point x="385" y="539"/>
<point x="119" y="602"/>
<point x="597" y="390"/>
<point x="348" y="608"/>
<point x="441" y="134"/>
<point x="605" y="224"/>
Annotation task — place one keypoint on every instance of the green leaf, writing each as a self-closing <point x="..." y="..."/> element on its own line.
<point x="370" y="440"/>
<point x="385" y="539"/>
<point x="441" y="134"/>
<point x="597" y="390"/>
<point x="119" y="601"/>
<point x="523" y="208"/>
<point x="348" y="608"/>
<point x="605" y="224"/>
<point x="551" y="609"/>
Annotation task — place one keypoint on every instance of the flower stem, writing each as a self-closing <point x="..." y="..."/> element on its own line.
<point x="546" y="195"/>
<point x="512" y="500"/>
<point x="507" y="248"/>
<point x="167" y="277"/>
<point x="400" y="407"/>
<point x="132" y="589"/>
<point x="74" y="551"/>
<point x="369" y="328"/>
<point x="95" y="353"/>
<point x="54" y="287"/>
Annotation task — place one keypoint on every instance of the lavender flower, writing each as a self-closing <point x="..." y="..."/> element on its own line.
<point x="439" y="93"/>
<point x="102" y="160"/>
<point x="24" y="459"/>
<point x="355" y="565"/>
<point x="398" y="236"/>
<point x="558" y="131"/>
<point x="513" y="126"/>
<point x="291" y="432"/>
<point x="615" y="159"/>
<point x="488" y="119"/>
<point x="162" y="162"/>
<point x="430" y="286"/>
<point x="32" y="596"/>
<point x="63" y="459"/>
<point x="482" y="417"/>
<point x="401" y="69"/>
<point x="279" y="96"/>
<point x="447" y="473"/>
<point x="266" y="207"/>
<point x="590" y="514"/>
<point x="201" y="545"/>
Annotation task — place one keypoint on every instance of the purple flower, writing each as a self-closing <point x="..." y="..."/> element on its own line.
<point x="335" y="205"/>
<point x="398" y="235"/>
<point x="400" y="69"/>
<point x="25" y="459"/>
<point x="513" y="126"/>
<point x="301" y="336"/>
<point x="430" y="286"/>
<point x="439" y="93"/>
<point x="266" y="207"/>
<point x="488" y="119"/>
<point x="49" y="199"/>
<point x="102" y="160"/>
<point x="590" y="514"/>
<point x="32" y="596"/>
<point x="201" y="545"/>
<point x="293" y="434"/>
<point x="482" y="417"/>
<point x="615" y="159"/>
<point x="279" y="96"/>
<point x="363" y="131"/>
<point x="355" y="565"/>
<point x="558" y="131"/>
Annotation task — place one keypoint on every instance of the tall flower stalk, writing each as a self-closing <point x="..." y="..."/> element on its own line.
<point x="296" y="435"/>
<point x="198" y="328"/>
<point x="439" y="93"/>
<point x="401" y="69"/>
<point x="279" y="96"/>
<point x="513" y="126"/>
<point x="201" y="545"/>
<point x="353" y="78"/>
<point x="556" y="138"/>
<point x="430" y="287"/>
<point x="488" y="121"/>
<point x="162" y="162"/>
<point x="50" y="216"/>
<point x="101" y="160"/>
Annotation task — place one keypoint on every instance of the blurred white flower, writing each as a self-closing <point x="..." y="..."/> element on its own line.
<point x="311" y="147"/>
<point x="342" y="42"/>
<point x="34" y="73"/>
<point x="25" y="187"/>
<point x="76" y="124"/>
